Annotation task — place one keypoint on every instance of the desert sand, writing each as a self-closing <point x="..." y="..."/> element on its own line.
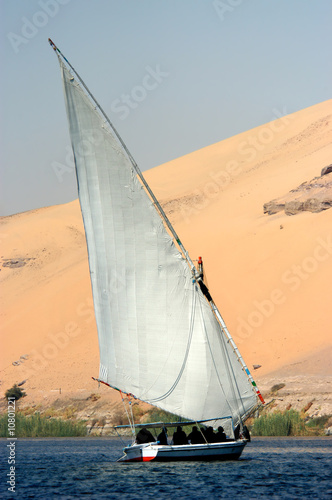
<point x="270" y="275"/>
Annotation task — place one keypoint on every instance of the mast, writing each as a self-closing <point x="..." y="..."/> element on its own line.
<point x="196" y="274"/>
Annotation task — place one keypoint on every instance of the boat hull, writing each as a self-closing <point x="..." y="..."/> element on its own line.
<point x="160" y="453"/>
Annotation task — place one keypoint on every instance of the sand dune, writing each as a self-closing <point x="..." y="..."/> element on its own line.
<point x="269" y="275"/>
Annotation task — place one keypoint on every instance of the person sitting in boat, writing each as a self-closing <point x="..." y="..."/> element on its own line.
<point x="144" y="436"/>
<point x="246" y="433"/>
<point x="237" y="432"/>
<point x="210" y="435"/>
<point x="179" y="436"/>
<point x="162" y="437"/>
<point x="220" y="435"/>
<point x="196" y="437"/>
<point x="242" y="433"/>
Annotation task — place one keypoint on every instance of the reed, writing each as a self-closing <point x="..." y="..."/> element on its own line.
<point x="319" y="422"/>
<point x="287" y="423"/>
<point x="156" y="415"/>
<point x="40" y="426"/>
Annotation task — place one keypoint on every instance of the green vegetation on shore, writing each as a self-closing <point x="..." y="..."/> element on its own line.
<point x="15" y="392"/>
<point x="156" y="415"/>
<point x="41" y="426"/>
<point x="287" y="423"/>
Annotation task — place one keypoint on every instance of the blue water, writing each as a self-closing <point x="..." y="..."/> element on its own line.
<point x="86" y="468"/>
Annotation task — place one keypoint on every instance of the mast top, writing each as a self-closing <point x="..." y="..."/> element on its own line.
<point x="59" y="53"/>
<point x="52" y="44"/>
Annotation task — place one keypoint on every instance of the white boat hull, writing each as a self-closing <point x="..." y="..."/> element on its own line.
<point x="230" y="450"/>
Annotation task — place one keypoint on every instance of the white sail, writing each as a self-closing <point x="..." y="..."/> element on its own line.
<point x="158" y="336"/>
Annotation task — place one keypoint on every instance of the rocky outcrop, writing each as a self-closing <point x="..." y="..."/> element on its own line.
<point x="310" y="196"/>
<point x="326" y="170"/>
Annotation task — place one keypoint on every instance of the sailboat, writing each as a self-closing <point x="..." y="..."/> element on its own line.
<point x="161" y="337"/>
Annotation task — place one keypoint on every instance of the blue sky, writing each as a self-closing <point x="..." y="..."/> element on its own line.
<point x="172" y="75"/>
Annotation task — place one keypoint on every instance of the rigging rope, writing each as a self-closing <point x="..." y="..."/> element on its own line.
<point x="131" y="423"/>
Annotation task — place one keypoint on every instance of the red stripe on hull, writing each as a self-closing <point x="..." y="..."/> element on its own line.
<point x="139" y="459"/>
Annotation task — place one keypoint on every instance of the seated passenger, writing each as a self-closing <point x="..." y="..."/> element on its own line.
<point x="237" y="432"/>
<point x="144" y="436"/>
<point x="179" y="436"/>
<point x="162" y="437"/>
<point x="196" y="437"/>
<point x="209" y="435"/>
<point x="246" y="433"/>
<point x="220" y="435"/>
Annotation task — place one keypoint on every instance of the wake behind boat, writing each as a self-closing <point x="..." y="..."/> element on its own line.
<point x="161" y="336"/>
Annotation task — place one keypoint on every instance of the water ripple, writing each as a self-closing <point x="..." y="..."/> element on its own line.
<point x="67" y="469"/>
